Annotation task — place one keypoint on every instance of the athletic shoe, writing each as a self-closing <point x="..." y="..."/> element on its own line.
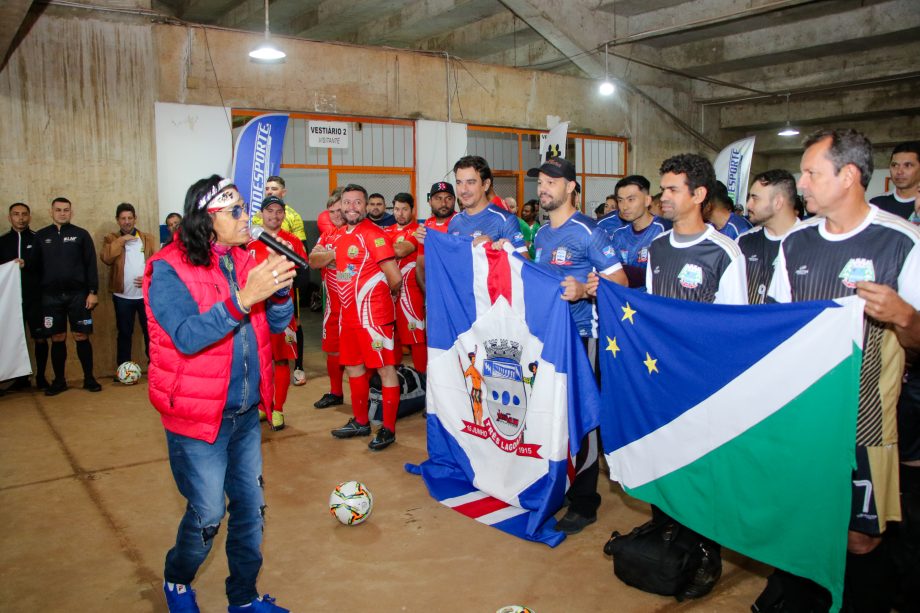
<point x="180" y="598"/>
<point x="56" y="388"/>
<point x="573" y="523"/>
<point x="706" y="575"/>
<point x="265" y="604"/>
<point x="91" y="385"/>
<point x="328" y="400"/>
<point x="352" y="428"/>
<point x="383" y="439"/>
<point x="300" y="377"/>
<point x="41" y="383"/>
<point x="262" y="415"/>
<point x="277" y="420"/>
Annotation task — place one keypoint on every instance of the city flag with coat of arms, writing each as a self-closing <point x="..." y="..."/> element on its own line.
<point x="510" y="391"/>
<point x="738" y="421"/>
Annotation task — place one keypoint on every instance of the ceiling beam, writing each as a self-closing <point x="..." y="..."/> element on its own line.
<point x="12" y="17"/>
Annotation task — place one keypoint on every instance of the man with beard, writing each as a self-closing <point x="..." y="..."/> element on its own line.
<point x="410" y="303"/>
<point x="771" y="203"/>
<point x="441" y="198"/>
<point x="377" y="211"/>
<point x="632" y="240"/>
<point x="366" y="271"/>
<point x="571" y="246"/>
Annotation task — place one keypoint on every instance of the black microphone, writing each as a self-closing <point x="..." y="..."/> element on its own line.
<point x="258" y="233"/>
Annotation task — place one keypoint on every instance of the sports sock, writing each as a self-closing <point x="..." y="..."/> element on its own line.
<point x="420" y="357"/>
<point x="359" y="393"/>
<point x="868" y="585"/>
<point x="85" y="353"/>
<point x="58" y="358"/>
<point x="336" y="372"/>
<point x="41" y="359"/>
<point x="282" y="382"/>
<point x="390" y="406"/>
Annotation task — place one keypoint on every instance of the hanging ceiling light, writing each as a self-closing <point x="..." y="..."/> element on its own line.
<point x="267" y="52"/>
<point x="788" y="130"/>
<point x="606" y="88"/>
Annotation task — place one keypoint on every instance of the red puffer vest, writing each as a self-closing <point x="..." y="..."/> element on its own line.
<point x="190" y="391"/>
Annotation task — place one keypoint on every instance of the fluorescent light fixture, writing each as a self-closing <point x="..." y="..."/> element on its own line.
<point x="267" y="52"/>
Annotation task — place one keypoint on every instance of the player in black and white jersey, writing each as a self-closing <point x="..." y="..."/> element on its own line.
<point x="905" y="174"/>
<point x="771" y="204"/>
<point x="853" y="247"/>
<point x="693" y="261"/>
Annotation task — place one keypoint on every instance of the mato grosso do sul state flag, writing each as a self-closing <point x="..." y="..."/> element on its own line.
<point x="510" y="391"/>
<point x="738" y="421"/>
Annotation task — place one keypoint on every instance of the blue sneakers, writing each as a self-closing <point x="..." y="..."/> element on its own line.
<point x="180" y="598"/>
<point x="265" y="604"/>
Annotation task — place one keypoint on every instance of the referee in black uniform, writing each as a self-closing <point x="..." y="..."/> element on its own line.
<point x="70" y="282"/>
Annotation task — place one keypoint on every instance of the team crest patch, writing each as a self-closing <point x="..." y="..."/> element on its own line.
<point x="411" y="325"/>
<point x="399" y="239"/>
<point x="505" y="388"/>
<point x="376" y="345"/>
<point x="642" y="256"/>
<point x="690" y="276"/>
<point x="49" y="321"/>
<point x="352" y="251"/>
<point x="379" y="242"/>
<point x="856" y="270"/>
<point x="560" y="257"/>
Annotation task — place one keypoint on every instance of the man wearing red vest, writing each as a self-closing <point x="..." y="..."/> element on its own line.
<point x="211" y="311"/>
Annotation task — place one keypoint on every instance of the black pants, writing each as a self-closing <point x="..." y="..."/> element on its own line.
<point x="125" y="311"/>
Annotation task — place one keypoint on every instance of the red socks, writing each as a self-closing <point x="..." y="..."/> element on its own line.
<point x="420" y="357"/>
<point x="282" y="382"/>
<point x="359" y="393"/>
<point x="390" y="407"/>
<point x="335" y="373"/>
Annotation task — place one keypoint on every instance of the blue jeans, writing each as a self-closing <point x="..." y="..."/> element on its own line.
<point x="125" y="310"/>
<point x="204" y="474"/>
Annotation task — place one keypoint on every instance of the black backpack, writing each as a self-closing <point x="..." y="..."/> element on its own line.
<point x="411" y="393"/>
<point x="660" y="556"/>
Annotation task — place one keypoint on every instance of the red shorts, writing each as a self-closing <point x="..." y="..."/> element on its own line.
<point x="284" y="344"/>
<point x="373" y="349"/>
<point x="410" y="321"/>
<point x="330" y="330"/>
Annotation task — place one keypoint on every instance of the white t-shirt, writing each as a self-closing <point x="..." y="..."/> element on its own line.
<point x="134" y="267"/>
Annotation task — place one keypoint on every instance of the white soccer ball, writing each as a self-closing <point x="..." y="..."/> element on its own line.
<point x="351" y="502"/>
<point x="128" y="373"/>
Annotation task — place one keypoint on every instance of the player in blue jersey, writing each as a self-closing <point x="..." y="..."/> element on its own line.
<point x="719" y="212"/>
<point x="479" y="218"/>
<point x="611" y="221"/>
<point x="571" y="246"/>
<point x="631" y="242"/>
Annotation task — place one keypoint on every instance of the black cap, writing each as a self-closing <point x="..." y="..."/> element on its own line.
<point x="441" y="186"/>
<point x="272" y="200"/>
<point x="555" y="167"/>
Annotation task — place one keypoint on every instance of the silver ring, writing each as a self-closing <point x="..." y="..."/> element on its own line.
<point x="276" y="281"/>
<point x="275" y="274"/>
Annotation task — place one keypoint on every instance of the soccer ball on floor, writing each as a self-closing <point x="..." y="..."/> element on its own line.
<point x="351" y="502"/>
<point x="128" y="373"/>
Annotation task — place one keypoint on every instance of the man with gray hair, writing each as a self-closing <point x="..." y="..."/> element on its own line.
<point x="853" y="247"/>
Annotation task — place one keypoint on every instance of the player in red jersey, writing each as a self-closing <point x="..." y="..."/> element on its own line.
<point x="323" y="257"/>
<point x="441" y="198"/>
<point x="367" y="276"/>
<point x="284" y="344"/>
<point x="410" y="304"/>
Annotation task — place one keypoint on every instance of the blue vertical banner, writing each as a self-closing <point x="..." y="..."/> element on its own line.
<point x="257" y="156"/>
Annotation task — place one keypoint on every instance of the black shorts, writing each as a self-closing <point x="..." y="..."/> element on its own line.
<point x="909" y="418"/>
<point x="57" y="309"/>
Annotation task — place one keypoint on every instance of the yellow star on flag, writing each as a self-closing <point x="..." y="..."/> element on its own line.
<point x="651" y="364"/>
<point x="612" y="346"/>
<point x="628" y="313"/>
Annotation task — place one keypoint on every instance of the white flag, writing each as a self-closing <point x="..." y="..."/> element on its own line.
<point x="733" y="165"/>
<point x="553" y="144"/>
<point x="14" y="353"/>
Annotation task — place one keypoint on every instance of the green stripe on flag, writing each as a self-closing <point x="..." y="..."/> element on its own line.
<point x="779" y="492"/>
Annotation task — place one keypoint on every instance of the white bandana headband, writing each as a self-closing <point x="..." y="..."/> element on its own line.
<point x="215" y="200"/>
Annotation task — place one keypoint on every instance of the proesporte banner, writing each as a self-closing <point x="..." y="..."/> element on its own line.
<point x="257" y="156"/>
<point x="733" y="167"/>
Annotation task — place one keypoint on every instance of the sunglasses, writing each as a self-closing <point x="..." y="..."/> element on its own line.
<point x="236" y="212"/>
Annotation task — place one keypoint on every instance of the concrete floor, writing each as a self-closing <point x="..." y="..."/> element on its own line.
<point x="88" y="509"/>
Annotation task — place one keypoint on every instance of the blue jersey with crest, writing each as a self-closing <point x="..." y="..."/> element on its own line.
<point x="493" y="222"/>
<point x="632" y="247"/>
<point x="610" y="223"/>
<point x="576" y="248"/>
